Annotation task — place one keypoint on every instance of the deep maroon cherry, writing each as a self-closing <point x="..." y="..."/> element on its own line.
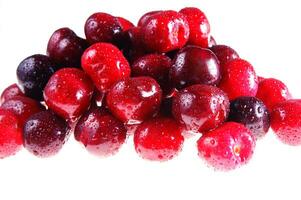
<point x="251" y="112"/>
<point x="68" y="93"/>
<point x="134" y="99"/>
<point x="65" y="48"/>
<point x="33" y="73"/>
<point x="10" y="92"/>
<point x="44" y="134"/>
<point x="194" y="65"/>
<point x="102" y="27"/>
<point x="200" y="107"/>
<point x="224" y="53"/>
<point x="100" y="132"/>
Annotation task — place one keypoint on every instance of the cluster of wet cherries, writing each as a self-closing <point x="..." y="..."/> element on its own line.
<point x="160" y="81"/>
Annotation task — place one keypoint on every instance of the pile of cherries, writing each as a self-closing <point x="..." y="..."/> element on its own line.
<point x="162" y="81"/>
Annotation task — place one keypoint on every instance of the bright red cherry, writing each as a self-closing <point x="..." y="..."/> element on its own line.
<point x="105" y="64"/>
<point x="238" y="79"/>
<point x="227" y="147"/>
<point x="10" y="92"/>
<point x="224" y="53"/>
<point x="10" y="134"/>
<point x="68" y="93"/>
<point x="200" y="107"/>
<point x="286" y="121"/>
<point x="158" y="139"/>
<point x="102" y="27"/>
<point x="125" y="24"/>
<point x="194" y="65"/>
<point x="134" y="100"/>
<point x="146" y="16"/>
<point x="100" y="132"/>
<point x="272" y="91"/>
<point x="198" y="25"/>
<point x="165" y="31"/>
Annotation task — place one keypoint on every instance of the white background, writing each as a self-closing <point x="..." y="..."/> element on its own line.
<point x="267" y="33"/>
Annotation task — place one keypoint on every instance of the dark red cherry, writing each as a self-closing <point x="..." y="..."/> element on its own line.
<point x="200" y="107"/>
<point x="146" y="16"/>
<point x="10" y="92"/>
<point x="44" y="134"/>
<point x="33" y="73"/>
<point x="224" y="53"/>
<point x="194" y="65"/>
<point x="125" y="24"/>
<point x="100" y="132"/>
<point x="65" y="48"/>
<point x="133" y="100"/>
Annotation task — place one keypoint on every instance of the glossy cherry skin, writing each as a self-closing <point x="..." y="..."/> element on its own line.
<point x="22" y="107"/>
<point x="158" y="139"/>
<point x="238" y="79"/>
<point x="33" y="73"/>
<point x="134" y="100"/>
<point x="45" y="133"/>
<point x="227" y="147"/>
<point x="211" y="42"/>
<point x="10" y="134"/>
<point x="68" y="93"/>
<point x="194" y="65"/>
<point x="198" y="25"/>
<point x="105" y="64"/>
<point x="124" y="23"/>
<point x="102" y="27"/>
<point x="272" y="91"/>
<point x="200" y="107"/>
<point x="165" y="31"/>
<point x="252" y="113"/>
<point x="286" y="121"/>
<point x="146" y="16"/>
<point x="10" y="92"/>
<point x="224" y="53"/>
<point x="65" y="48"/>
<point x="154" y="65"/>
<point x="100" y="132"/>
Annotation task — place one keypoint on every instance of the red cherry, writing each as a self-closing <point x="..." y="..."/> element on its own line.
<point x="239" y="79"/>
<point x="22" y="107"/>
<point x="227" y="147"/>
<point x="105" y="65"/>
<point x="10" y="134"/>
<point x="198" y="25"/>
<point x="134" y="99"/>
<point x="68" y="93"/>
<point x="102" y="27"/>
<point x="146" y="16"/>
<point x="125" y="24"/>
<point x="286" y="121"/>
<point x="165" y="31"/>
<point x="158" y="139"/>
<point x="224" y="53"/>
<point x="10" y="92"/>
<point x="260" y="78"/>
<point x="201" y="107"/>
<point x="100" y="132"/>
<point x="194" y="65"/>
<point x="272" y="91"/>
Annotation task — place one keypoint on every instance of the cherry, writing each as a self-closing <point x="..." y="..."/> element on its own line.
<point x="134" y="99"/>
<point x="10" y="92"/>
<point x="211" y="42"/>
<point x="105" y="64"/>
<point x="260" y="78"/>
<point x="238" y="79"/>
<point x="10" y="134"/>
<point x="286" y="121"/>
<point x="33" y="73"/>
<point x="100" y="132"/>
<point x="194" y="65"/>
<point x="165" y="31"/>
<point x="68" y="93"/>
<point x="22" y="107"/>
<point x="158" y="139"/>
<point x="198" y="25"/>
<point x="125" y="24"/>
<point x="146" y="16"/>
<point x="200" y="107"/>
<point x="45" y="134"/>
<point x="65" y="48"/>
<point x="251" y="112"/>
<point x="227" y="147"/>
<point x="272" y="91"/>
<point x="224" y="53"/>
<point x="102" y="27"/>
